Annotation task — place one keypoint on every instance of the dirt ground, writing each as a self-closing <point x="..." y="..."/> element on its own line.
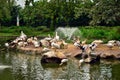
<point x="72" y="51"/>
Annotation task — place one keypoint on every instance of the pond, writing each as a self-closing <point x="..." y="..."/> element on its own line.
<point x="15" y="65"/>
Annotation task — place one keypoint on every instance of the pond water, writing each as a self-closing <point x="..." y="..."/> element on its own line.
<point x="15" y="65"/>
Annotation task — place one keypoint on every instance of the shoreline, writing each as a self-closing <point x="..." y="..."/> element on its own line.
<point x="102" y="50"/>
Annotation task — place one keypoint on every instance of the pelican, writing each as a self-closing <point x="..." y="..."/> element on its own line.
<point x="118" y="43"/>
<point x="63" y="61"/>
<point x="56" y="36"/>
<point x="65" y="44"/>
<point x="35" y="38"/>
<point x="110" y="45"/>
<point x="93" y="46"/>
<point x="29" y="40"/>
<point x="16" y="40"/>
<point x="80" y="62"/>
<point x="55" y="45"/>
<point x="44" y="43"/>
<point x="24" y="65"/>
<point x="86" y="49"/>
<point x="45" y="49"/>
<point x="36" y="43"/>
<point x="112" y="41"/>
<point x="6" y="44"/>
<point x="77" y="43"/>
<point x="48" y="38"/>
<point x="84" y="42"/>
<point x="20" y="44"/>
<point x="23" y="36"/>
<point x="97" y="41"/>
<point x="83" y="47"/>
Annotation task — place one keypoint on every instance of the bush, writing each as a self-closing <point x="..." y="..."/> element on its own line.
<point x="103" y="33"/>
<point x="41" y="28"/>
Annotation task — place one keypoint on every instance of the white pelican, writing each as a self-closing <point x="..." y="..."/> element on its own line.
<point x="112" y="41"/>
<point x="77" y="43"/>
<point x="110" y="45"/>
<point x="98" y="41"/>
<point x="55" y="45"/>
<point x="23" y="36"/>
<point x="48" y="38"/>
<point x="93" y="46"/>
<point x="56" y="36"/>
<point x="65" y="44"/>
<point x="35" y="38"/>
<point x="118" y="43"/>
<point x="63" y="61"/>
<point x="45" y="49"/>
<point x="45" y="43"/>
<point x="80" y="62"/>
<point x="84" y="42"/>
<point x="6" y="44"/>
<point x="29" y="40"/>
<point x="22" y="44"/>
<point x="36" y="43"/>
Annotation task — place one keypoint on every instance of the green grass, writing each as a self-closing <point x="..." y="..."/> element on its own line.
<point x="100" y="32"/>
<point x="30" y="31"/>
<point x="88" y="32"/>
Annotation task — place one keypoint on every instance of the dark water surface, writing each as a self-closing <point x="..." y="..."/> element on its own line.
<point x="15" y="65"/>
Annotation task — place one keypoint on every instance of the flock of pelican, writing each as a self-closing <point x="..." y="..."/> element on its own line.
<point x="50" y="44"/>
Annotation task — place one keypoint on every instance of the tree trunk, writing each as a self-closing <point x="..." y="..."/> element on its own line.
<point x="17" y="21"/>
<point x="52" y="23"/>
<point x="0" y="26"/>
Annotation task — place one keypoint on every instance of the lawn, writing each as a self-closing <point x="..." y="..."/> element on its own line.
<point x="88" y="32"/>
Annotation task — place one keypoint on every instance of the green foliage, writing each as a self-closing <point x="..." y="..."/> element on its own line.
<point x="30" y="31"/>
<point x="83" y="8"/>
<point x="5" y="11"/>
<point x="42" y="28"/>
<point x="105" y="12"/>
<point x="103" y="33"/>
<point x="90" y="33"/>
<point x="57" y="13"/>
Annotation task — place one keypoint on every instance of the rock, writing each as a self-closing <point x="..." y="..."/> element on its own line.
<point x="46" y="59"/>
<point x="107" y="56"/>
<point x="53" y="57"/>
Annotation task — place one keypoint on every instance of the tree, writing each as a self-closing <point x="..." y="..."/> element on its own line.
<point x="105" y="12"/>
<point x="15" y="11"/>
<point x="4" y="10"/>
<point x="82" y="11"/>
<point x="34" y="15"/>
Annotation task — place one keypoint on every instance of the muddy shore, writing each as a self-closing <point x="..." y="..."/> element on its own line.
<point x="72" y="51"/>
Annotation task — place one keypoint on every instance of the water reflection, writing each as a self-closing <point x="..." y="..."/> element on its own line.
<point x="29" y="67"/>
<point x="86" y="72"/>
<point x="106" y="71"/>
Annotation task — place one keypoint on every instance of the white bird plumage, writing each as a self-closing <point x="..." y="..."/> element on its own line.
<point x="23" y="36"/>
<point x="63" y="61"/>
<point x="6" y="44"/>
<point x="110" y="45"/>
<point x="45" y="49"/>
<point x="80" y="62"/>
<point x="56" y="36"/>
<point x="93" y="46"/>
<point x="36" y="43"/>
<point x="55" y="45"/>
<point x="77" y="43"/>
